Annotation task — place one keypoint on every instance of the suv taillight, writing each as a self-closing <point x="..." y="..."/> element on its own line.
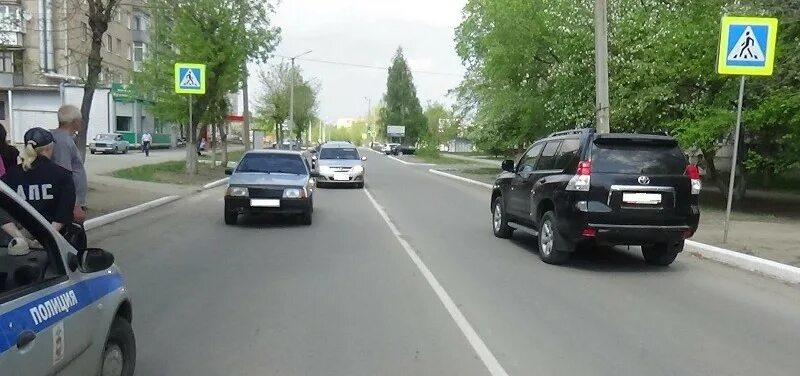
<point x="582" y="179"/>
<point x="694" y="174"/>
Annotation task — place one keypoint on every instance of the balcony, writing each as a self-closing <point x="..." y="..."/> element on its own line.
<point x="142" y="36"/>
<point x="10" y="80"/>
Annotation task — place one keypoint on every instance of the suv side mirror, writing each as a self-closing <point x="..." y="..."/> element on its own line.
<point x="508" y="165"/>
<point x="229" y="171"/>
<point x="92" y="260"/>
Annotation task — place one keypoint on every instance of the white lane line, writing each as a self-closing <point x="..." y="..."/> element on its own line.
<point x="411" y="163"/>
<point x="456" y="177"/>
<point x="488" y="359"/>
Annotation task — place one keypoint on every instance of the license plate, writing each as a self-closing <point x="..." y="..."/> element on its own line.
<point x="642" y="198"/>
<point x="341" y="177"/>
<point x="265" y="203"/>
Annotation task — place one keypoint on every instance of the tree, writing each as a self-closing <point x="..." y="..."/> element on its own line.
<point x="99" y="14"/>
<point x="273" y="103"/>
<point x="221" y="34"/>
<point x="527" y="79"/>
<point x="401" y="105"/>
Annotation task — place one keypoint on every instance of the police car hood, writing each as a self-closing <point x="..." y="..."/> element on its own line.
<point x="260" y="178"/>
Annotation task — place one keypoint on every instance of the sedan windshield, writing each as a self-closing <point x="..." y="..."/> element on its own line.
<point x="338" y="153"/>
<point x="272" y="164"/>
<point x="106" y="137"/>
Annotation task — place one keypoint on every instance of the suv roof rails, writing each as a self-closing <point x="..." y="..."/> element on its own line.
<point x="572" y="131"/>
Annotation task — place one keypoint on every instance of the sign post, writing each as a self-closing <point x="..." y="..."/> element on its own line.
<point x="746" y="48"/>
<point x="190" y="79"/>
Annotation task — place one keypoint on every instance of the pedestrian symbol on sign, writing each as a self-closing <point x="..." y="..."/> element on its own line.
<point x="747" y="48"/>
<point x="190" y="80"/>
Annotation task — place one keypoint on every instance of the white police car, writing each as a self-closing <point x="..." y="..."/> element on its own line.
<point x="62" y="311"/>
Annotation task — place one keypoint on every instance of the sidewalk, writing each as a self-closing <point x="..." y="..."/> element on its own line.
<point x="108" y="194"/>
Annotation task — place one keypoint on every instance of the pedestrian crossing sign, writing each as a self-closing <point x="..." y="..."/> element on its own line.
<point x="747" y="46"/>
<point x="190" y="78"/>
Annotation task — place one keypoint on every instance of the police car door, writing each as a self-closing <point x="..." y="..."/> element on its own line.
<point x="45" y="316"/>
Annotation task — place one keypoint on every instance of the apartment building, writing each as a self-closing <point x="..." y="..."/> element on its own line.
<point x="44" y="48"/>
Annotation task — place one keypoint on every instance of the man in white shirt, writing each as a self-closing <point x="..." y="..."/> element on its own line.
<point x="146" y="140"/>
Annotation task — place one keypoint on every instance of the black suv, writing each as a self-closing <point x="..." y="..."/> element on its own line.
<point x="579" y="188"/>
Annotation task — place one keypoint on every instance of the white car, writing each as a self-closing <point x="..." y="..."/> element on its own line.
<point x="109" y="143"/>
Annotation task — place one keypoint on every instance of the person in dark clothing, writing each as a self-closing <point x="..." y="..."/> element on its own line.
<point x="46" y="186"/>
<point x="8" y="153"/>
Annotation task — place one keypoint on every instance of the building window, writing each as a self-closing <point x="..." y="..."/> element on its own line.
<point x="130" y="52"/>
<point x="139" y="50"/>
<point x="119" y="46"/>
<point x="6" y="61"/>
<point x="130" y="22"/>
<point x="85" y="31"/>
<point x="109" y="44"/>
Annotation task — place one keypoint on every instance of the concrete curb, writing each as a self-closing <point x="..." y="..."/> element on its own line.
<point x="410" y="163"/>
<point x="124" y="213"/>
<point x="456" y="177"/>
<point x="215" y="184"/>
<point x="782" y="272"/>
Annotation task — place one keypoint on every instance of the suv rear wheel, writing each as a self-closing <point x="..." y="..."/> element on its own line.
<point x="548" y="246"/>
<point x="500" y="225"/>
<point x="662" y="254"/>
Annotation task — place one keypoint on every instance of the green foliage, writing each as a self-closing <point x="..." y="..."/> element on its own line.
<point x="273" y="103"/>
<point x="527" y="79"/>
<point x="222" y="34"/>
<point x="401" y="105"/>
<point x="353" y="134"/>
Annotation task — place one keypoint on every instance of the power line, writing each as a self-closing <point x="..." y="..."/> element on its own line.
<point x="354" y="65"/>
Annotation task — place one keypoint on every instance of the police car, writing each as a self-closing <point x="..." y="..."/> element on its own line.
<point x="62" y="311"/>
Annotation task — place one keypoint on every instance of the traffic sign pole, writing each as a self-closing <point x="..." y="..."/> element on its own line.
<point x="192" y="136"/>
<point x="746" y="48"/>
<point x="734" y="158"/>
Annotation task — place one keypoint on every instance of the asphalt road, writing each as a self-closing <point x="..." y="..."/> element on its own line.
<point x="345" y="296"/>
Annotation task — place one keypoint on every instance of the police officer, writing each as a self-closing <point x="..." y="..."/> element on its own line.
<point x="45" y="185"/>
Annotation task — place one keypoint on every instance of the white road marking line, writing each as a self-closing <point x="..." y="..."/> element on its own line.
<point x="456" y="177"/>
<point x="488" y="359"/>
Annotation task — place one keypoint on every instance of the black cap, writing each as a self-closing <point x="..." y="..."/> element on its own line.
<point x="38" y="137"/>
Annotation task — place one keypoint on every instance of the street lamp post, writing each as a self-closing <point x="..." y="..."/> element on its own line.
<point x="291" y="97"/>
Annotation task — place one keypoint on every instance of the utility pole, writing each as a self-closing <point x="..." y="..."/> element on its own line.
<point x="291" y="97"/>
<point x="245" y="110"/>
<point x="602" y="105"/>
<point x="370" y="131"/>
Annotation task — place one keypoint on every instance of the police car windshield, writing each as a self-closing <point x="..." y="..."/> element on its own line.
<point x="272" y="164"/>
<point x="338" y="153"/>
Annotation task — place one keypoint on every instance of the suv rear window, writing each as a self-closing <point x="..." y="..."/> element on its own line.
<point x="638" y="159"/>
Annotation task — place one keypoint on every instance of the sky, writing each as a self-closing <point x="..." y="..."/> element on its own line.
<point x="368" y="32"/>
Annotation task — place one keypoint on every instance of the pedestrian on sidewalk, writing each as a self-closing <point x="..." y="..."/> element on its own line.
<point x="45" y="185"/>
<point x="9" y="155"/>
<point x="66" y="155"/>
<point x="146" y="139"/>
